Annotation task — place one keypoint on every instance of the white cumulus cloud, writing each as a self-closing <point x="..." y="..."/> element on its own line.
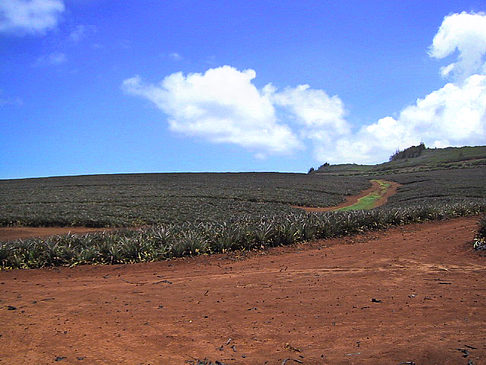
<point x="465" y="33"/>
<point x="174" y="56"/>
<point x="311" y="108"/>
<point x="222" y="106"/>
<point x="9" y="101"/>
<point x="51" y="59"/>
<point x="453" y="115"/>
<point x="29" y="16"/>
<point x="81" y="31"/>
<point x="318" y="117"/>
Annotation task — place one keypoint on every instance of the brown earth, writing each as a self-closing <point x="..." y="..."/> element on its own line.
<point x="13" y="233"/>
<point x="353" y="199"/>
<point x="412" y="293"/>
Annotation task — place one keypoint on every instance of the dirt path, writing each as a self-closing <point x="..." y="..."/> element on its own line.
<point x="351" y="200"/>
<point x="13" y="233"/>
<point x="413" y="293"/>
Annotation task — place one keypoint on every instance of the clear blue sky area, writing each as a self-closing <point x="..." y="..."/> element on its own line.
<point x="81" y="87"/>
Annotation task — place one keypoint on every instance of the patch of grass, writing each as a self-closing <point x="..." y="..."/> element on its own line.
<point x="364" y="203"/>
<point x="369" y="201"/>
<point x="384" y="185"/>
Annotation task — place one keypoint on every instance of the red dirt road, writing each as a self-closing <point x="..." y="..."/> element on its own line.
<point x="13" y="233"/>
<point x="309" y="302"/>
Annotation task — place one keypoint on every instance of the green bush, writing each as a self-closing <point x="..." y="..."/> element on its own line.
<point x="480" y="239"/>
<point x="482" y="228"/>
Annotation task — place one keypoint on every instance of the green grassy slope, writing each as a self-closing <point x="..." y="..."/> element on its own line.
<point x="430" y="159"/>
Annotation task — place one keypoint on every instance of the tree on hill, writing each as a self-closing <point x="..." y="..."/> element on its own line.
<point x="410" y="152"/>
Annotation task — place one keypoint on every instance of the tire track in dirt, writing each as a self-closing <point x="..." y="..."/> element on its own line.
<point x="402" y="266"/>
<point x="412" y="293"/>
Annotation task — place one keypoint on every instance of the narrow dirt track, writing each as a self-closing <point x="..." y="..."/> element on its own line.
<point x="353" y="199"/>
<point x="13" y="233"/>
<point x="428" y="283"/>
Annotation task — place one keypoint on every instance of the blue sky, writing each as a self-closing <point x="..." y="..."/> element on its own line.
<point x="98" y="86"/>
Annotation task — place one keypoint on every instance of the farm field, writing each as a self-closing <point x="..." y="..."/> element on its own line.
<point x="213" y="213"/>
<point x="329" y="287"/>
<point x="444" y="186"/>
<point x="234" y="182"/>
<point x="142" y="199"/>
<point x="413" y="293"/>
<point x="373" y="197"/>
<point x="378" y="192"/>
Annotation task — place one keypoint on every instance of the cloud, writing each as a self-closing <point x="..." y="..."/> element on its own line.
<point x="52" y="59"/>
<point x="29" y="16"/>
<point x="174" y="56"/>
<point x="465" y="33"/>
<point x="9" y="101"/>
<point x="311" y="108"/>
<point x="222" y="106"/>
<point x="81" y="32"/>
<point x="453" y="115"/>
<point x="317" y="116"/>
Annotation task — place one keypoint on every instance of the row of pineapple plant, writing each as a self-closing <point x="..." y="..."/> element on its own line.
<point x="480" y="239"/>
<point x="161" y="242"/>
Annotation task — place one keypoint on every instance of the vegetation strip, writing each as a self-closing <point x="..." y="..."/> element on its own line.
<point x="371" y="200"/>
<point x="480" y="239"/>
<point x="207" y="213"/>
<point x="414" y="159"/>
<point x="375" y="196"/>
<point x="244" y="233"/>
<point x="135" y="200"/>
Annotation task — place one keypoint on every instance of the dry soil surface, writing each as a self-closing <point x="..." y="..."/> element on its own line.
<point x="415" y="293"/>
<point x="13" y="233"/>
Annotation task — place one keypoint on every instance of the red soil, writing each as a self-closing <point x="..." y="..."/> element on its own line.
<point x="353" y="199"/>
<point x="412" y="293"/>
<point x="13" y="233"/>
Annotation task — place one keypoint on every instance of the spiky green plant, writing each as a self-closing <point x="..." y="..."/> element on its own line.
<point x="244" y="232"/>
<point x="480" y="239"/>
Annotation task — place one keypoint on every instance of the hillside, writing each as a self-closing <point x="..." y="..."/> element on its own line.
<point x="429" y="159"/>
